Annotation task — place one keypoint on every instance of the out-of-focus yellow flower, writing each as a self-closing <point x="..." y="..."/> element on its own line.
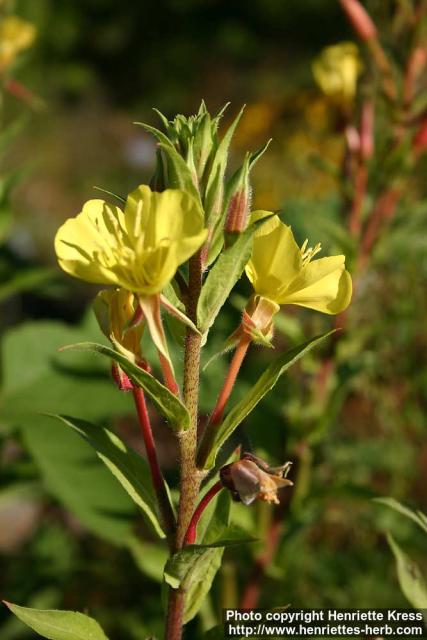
<point x="15" y="36"/>
<point x="139" y="248"/>
<point x="284" y="273"/>
<point x="336" y="71"/>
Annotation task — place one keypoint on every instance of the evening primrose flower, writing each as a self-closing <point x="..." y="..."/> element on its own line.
<point x="284" y="273"/>
<point x="15" y="36"/>
<point x="336" y="71"/>
<point x="139" y="248"/>
<point x="251" y="478"/>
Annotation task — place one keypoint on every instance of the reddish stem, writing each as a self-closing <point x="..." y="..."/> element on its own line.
<point x="383" y="210"/>
<point x="190" y="536"/>
<point x="156" y="473"/>
<point x="253" y="586"/>
<point x="168" y="375"/>
<point x="227" y="388"/>
<point x="359" y="196"/>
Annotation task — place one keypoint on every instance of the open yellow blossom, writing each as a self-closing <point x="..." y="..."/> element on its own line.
<point x="336" y="71"/>
<point x="139" y="248"/>
<point x="284" y="273"/>
<point x="15" y="36"/>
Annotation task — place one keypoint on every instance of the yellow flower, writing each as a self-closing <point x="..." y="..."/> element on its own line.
<point x="139" y="248"/>
<point x="336" y="71"/>
<point x="15" y="36"/>
<point x="284" y="273"/>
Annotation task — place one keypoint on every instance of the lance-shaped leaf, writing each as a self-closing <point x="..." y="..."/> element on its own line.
<point x="193" y="569"/>
<point x="215" y="436"/>
<point x="179" y="174"/>
<point x="128" y="467"/>
<point x="166" y="402"/>
<point x="214" y="188"/>
<point x="409" y="575"/>
<point x="417" y="516"/>
<point x="223" y="276"/>
<point x="59" y="625"/>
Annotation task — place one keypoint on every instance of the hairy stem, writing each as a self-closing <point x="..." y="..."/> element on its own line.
<point x="159" y="485"/>
<point x="190" y="475"/>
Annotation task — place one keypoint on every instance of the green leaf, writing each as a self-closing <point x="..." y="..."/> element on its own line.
<point x="76" y="477"/>
<point x="37" y="381"/>
<point x="212" y="200"/>
<point x="193" y="570"/>
<point x="215" y="437"/>
<point x="409" y="575"/>
<point x="59" y="625"/>
<point x="128" y="467"/>
<point x="168" y="404"/>
<point x="416" y="516"/>
<point x="223" y="276"/>
<point x="179" y="174"/>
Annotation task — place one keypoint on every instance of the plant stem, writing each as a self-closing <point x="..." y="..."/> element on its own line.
<point x="168" y="375"/>
<point x="190" y="475"/>
<point x="190" y="536"/>
<point x="159" y="485"/>
<point x="236" y="363"/>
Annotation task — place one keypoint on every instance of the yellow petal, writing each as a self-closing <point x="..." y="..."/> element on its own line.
<point x="276" y="260"/>
<point x="80" y="239"/>
<point x="323" y="285"/>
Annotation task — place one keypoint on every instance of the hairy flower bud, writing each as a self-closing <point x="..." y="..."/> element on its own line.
<point x="237" y="214"/>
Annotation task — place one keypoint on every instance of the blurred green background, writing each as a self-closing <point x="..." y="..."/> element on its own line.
<point x="66" y="528"/>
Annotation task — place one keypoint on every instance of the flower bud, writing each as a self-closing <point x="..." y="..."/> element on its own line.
<point x="239" y="201"/>
<point x="251" y="479"/>
<point x="361" y="21"/>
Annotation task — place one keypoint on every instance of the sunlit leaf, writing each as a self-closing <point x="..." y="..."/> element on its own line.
<point x="128" y="467"/>
<point x="409" y="575"/>
<point x="167" y="403"/>
<point x="59" y="625"/>
<point x="215" y="437"/>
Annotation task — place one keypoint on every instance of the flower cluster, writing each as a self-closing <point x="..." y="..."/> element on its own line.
<point x="140" y="250"/>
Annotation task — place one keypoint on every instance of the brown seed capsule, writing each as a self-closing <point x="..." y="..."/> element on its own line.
<point x="251" y="478"/>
